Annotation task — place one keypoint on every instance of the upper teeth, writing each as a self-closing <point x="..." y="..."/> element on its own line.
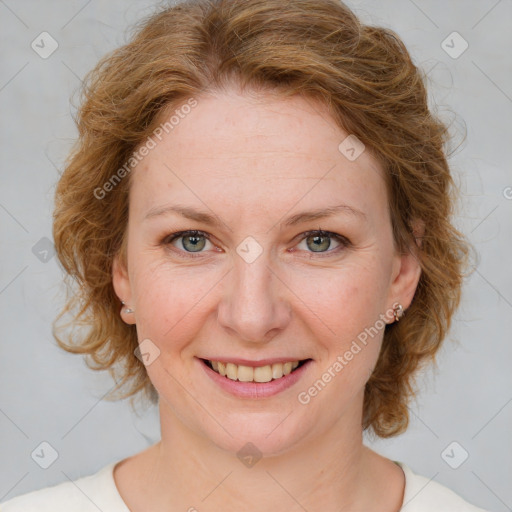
<point x="254" y="374"/>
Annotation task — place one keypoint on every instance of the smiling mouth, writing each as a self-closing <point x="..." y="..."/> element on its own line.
<point x="261" y="374"/>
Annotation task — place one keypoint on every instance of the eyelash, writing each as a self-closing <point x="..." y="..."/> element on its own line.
<point x="345" y="242"/>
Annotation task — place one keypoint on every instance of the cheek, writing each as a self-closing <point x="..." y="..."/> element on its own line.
<point x="350" y="305"/>
<point x="350" y="309"/>
<point x="346" y="299"/>
<point x="173" y="302"/>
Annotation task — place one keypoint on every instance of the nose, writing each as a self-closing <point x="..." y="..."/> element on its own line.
<point x="254" y="307"/>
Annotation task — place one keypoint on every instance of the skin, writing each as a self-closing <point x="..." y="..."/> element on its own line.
<point x="254" y="160"/>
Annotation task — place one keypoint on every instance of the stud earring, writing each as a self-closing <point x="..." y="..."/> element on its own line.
<point x="398" y="311"/>
<point x="127" y="310"/>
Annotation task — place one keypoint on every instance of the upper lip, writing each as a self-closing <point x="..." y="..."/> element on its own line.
<point x="260" y="362"/>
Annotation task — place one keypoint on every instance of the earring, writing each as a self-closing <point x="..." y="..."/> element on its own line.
<point x="127" y="310"/>
<point x="398" y="311"/>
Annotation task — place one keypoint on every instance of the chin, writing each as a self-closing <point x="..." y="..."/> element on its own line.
<point x="258" y="434"/>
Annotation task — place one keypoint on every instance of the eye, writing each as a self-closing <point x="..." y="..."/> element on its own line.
<point x="189" y="241"/>
<point x="320" y="241"/>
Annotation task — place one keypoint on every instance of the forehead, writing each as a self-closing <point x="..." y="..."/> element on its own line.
<point x="260" y="152"/>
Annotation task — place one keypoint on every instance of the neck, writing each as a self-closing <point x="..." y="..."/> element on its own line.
<point x="332" y="471"/>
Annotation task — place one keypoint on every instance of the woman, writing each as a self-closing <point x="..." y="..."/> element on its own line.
<point x="257" y="211"/>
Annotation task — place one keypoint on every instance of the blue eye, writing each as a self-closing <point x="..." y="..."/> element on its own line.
<point x="194" y="241"/>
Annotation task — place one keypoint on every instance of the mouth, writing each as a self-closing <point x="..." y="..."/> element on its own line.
<point x="255" y="374"/>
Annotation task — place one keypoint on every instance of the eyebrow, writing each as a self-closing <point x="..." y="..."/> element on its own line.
<point x="214" y="220"/>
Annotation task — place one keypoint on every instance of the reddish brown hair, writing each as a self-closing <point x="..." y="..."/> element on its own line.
<point x="314" y="48"/>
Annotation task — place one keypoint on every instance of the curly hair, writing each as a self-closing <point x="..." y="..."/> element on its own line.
<point x="315" y="48"/>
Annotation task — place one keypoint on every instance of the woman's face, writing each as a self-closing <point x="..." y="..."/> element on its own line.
<point x="252" y="286"/>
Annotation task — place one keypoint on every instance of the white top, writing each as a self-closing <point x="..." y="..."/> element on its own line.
<point x="99" y="492"/>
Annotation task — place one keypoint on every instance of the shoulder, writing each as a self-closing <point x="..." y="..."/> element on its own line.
<point x="86" y="494"/>
<point x="424" y="495"/>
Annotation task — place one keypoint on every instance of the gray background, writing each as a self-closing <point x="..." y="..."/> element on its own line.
<point x="49" y="395"/>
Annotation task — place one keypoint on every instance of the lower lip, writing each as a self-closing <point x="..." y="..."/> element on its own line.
<point x="255" y="390"/>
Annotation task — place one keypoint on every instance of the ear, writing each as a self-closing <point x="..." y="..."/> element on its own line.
<point x="407" y="271"/>
<point x="122" y="287"/>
